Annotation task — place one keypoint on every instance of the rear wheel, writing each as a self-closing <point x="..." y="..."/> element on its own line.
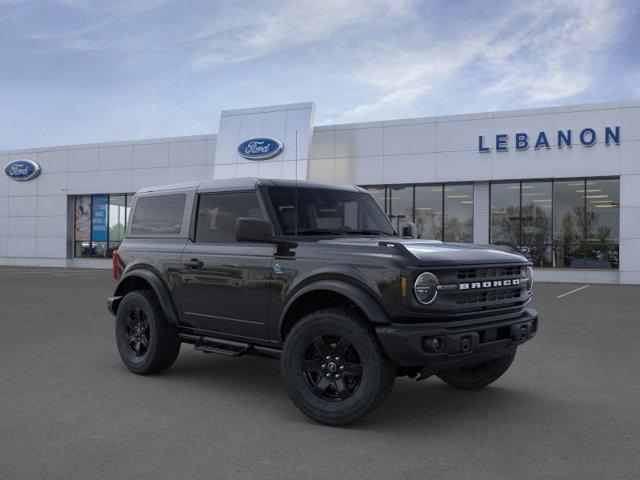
<point x="334" y="368"/>
<point x="146" y="341"/>
<point x="478" y="376"/>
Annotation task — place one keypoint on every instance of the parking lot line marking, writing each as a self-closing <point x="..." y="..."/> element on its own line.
<point x="573" y="291"/>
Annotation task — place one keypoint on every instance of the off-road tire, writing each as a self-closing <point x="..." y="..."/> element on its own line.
<point x="377" y="375"/>
<point x="163" y="342"/>
<point x="478" y="376"/>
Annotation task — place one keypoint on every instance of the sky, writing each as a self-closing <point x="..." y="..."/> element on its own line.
<point x="80" y="71"/>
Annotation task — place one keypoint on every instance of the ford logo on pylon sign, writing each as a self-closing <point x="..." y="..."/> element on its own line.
<point x="22" y="170"/>
<point x="260" y="148"/>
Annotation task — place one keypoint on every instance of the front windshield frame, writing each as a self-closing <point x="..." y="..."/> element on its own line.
<point x="383" y="226"/>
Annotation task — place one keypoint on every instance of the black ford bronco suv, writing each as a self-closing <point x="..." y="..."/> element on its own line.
<point x="313" y="274"/>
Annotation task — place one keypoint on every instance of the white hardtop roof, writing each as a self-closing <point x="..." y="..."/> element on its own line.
<point x="243" y="183"/>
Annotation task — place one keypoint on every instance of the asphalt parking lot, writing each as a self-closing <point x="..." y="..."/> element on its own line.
<point x="568" y="408"/>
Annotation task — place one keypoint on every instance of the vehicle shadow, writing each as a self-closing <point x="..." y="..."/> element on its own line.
<point x="411" y="406"/>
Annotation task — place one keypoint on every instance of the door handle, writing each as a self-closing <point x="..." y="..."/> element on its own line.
<point x="194" y="263"/>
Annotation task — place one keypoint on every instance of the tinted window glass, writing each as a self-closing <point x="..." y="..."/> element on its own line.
<point x="311" y="211"/>
<point x="82" y="228"/>
<point x="218" y="212"/>
<point x="568" y="211"/>
<point x="603" y="211"/>
<point x="400" y="205"/>
<point x="458" y="213"/>
<point x="378" y="194"/>
<point x="505" y="213"/>
<point x="569" y="223"/>
<point x="536" y="222"/>
<point x="603" y="223"/>
<point x="564" y="223"/>
<point x="161" y="214"/>
<point x="428" y="212"/>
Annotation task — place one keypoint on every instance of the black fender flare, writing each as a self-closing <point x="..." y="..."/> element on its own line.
<point x="364" y="300"/>
<point x="158" y="286"/>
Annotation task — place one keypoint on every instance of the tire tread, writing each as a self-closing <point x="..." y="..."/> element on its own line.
<point x="166" y="351"/>
<point x="388" y="369"/>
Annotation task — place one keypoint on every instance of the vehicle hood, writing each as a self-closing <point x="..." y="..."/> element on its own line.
<point x="431" y="252"/>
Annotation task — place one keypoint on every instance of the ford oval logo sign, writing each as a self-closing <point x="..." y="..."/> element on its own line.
<point x="260" y="148"/>
<point x="22" y="170"/>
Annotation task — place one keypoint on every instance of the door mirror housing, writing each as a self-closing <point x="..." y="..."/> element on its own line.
<point x="253" y="230"/>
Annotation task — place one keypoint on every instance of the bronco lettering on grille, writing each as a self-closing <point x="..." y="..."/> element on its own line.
<point x="489" y="284"/>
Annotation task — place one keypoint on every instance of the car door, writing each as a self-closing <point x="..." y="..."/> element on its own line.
<point x="225" y="284"/>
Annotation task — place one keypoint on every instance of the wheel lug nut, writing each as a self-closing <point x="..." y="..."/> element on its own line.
<point x="337" y="376"/>
<point x="328" y="375"/>
<point x="341" y="367"/>
<point x="324" y="366"/>
<point x="337" y="359"/>
<point x="328" y="358"/>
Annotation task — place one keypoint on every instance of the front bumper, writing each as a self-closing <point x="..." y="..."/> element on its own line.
<point x="411" y="345"/>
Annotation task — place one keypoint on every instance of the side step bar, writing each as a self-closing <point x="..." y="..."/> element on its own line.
<point x="222" y="350"/>
<point x="230" y="348"/>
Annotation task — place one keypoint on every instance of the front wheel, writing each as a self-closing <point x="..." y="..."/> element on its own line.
<point x="334" y="368"/>
<point x="478" y="376"/>
<point x="147" y="342"/>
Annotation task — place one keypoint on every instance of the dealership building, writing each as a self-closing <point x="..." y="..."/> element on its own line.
<point x="562" y="184"/>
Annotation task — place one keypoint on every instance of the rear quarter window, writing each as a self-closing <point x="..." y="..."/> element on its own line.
<point x="158" y="215"/>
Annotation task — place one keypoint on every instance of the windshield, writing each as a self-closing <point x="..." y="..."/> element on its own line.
<point x="328" y="212"/>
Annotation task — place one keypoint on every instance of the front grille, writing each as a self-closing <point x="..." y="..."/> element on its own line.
<point x="467" y="298"/>
<point x="489" y="272"/>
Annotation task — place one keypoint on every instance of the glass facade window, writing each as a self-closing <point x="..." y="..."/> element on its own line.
<point x="536" y="221"/>
<point x="505" y="214"/>
<point x="99" y="223"/>
<point x="562" y="223"/>
<point x="117" y="221"/>
<point x="440" y="212"/>
<point x="458" y="213"/>
<point x="569" y="223"/>
<point x="428" y="211"/>
<point x="400" y="202"/>
<point x="603" y="223"/>
<point x="82" y="226"/>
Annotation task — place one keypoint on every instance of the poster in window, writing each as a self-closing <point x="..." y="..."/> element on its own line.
<point x="83" y="219"/>
<point x="99" y="207"/>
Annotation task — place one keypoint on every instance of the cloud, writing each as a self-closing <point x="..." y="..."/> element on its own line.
<point x="398" y="98"/>
<point x="120" y="69"/>
<point x="554" y="63"/>
<point x="541" y="53"/>
<point x="287" y="25"/>
<point x="407" y="76"/>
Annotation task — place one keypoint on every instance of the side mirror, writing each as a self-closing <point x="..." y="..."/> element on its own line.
<point x="409" y="229"/>
<point x="253" y="230"/>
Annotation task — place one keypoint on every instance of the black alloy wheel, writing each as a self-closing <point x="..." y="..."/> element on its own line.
<point x="146" y="341"/>
<point x="332" y="368"/>
<point x="138" y="332"/>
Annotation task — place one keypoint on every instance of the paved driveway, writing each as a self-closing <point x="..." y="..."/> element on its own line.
<point x="568" y="408"/>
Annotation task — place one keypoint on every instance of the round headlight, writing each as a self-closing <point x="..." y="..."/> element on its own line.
<point x="426" y="288"/>
<point x="529" y="279"/>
